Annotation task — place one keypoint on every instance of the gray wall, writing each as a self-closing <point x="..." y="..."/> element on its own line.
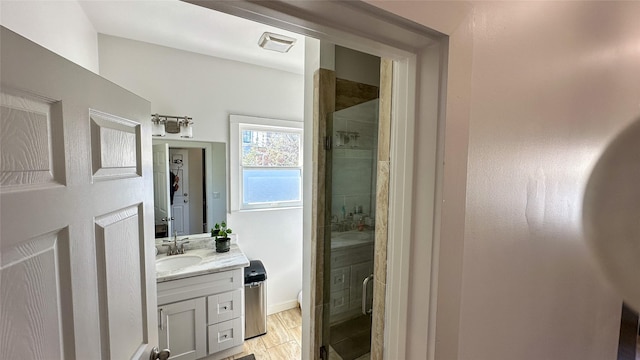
<point x="552" y="83"/>
<point x="541" y="88"/>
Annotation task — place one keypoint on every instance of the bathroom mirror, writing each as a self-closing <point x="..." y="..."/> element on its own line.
<point x="190" y="186"/>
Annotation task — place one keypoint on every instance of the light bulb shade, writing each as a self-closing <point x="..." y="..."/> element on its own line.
<point x="186" y="130"/>
<point x="157" y="129"/>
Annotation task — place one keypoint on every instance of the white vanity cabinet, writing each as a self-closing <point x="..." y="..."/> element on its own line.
<point x="350" y="265"/>
<point x="202" y="316"/>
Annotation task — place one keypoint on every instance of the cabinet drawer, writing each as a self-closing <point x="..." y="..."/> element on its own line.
<point x="225" y="306"/>
<point x="339" y="302"/>
<point x="199" y="286"/>
<point x="340" y="278"/>
<point x="225" y="335"/>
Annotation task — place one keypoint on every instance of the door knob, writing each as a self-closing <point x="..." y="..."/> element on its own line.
<point x="186" y="201"/>
<point x="185" y="194"/>
<point x="159" y="355"/>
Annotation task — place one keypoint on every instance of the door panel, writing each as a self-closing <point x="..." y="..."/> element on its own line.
<point x="114" y="146"/>
<point x="119" y="282"/>
<point x="27" y="123"/>
<point x="184" y="329"/>
<point x="30" y="302"/>
<point x="77" y="266"/>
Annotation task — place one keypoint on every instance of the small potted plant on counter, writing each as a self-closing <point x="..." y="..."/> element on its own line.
<point x="221" y="233"/>
<point x="215" y="230"/>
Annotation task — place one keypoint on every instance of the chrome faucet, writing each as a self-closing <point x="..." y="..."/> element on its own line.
<point x="173" y="248"/>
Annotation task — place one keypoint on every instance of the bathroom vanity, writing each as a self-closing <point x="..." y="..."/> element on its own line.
<point x="351" y="263"/>
<point x="201" y="302"/>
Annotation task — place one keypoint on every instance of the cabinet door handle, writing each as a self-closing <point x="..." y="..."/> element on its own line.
<point x="161" y="326"/>
<point x="365" y="284"/>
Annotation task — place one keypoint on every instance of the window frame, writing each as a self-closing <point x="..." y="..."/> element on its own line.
<point x="237" y="123"/>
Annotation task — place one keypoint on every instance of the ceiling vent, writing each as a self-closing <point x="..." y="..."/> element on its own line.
<point x="276" y="42"/>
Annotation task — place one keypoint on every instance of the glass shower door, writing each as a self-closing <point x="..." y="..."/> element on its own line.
<point x="350" y="186"/>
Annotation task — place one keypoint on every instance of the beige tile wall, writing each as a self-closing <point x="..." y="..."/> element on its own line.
<point x="382" y="211"/>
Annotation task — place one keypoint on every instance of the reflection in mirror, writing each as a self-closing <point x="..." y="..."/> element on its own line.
<point x="190" y="186"/>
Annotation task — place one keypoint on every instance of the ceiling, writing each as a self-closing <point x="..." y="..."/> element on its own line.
<point x="189" y="27"/>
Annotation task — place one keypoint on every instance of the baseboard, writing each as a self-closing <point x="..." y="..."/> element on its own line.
<point x="286" y="305"/>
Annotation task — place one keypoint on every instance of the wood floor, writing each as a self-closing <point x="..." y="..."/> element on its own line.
<point x="283" y="340"/>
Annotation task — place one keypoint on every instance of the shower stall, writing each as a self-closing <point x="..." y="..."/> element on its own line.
<point x="349" y="236"/>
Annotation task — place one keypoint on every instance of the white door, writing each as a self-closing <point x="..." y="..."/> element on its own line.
<point x="161" y="206"/>
<point x="77" y="276"/>
<point x="179" y="166"/>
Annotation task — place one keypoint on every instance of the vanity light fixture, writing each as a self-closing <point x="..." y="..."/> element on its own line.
<point x="158" y="125"/>
<point x="163" y="124"/>
<point x="276" y="42"/>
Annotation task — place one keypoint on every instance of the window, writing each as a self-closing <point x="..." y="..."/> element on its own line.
<point x="266" y="163"/>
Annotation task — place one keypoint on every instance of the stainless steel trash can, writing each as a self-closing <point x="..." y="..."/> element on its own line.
<point x="255" y="299"/>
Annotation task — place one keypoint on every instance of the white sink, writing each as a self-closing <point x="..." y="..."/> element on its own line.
<point x="176" y="262"/>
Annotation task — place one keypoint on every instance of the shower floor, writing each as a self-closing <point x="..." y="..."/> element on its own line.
<point x="352" y="339"/>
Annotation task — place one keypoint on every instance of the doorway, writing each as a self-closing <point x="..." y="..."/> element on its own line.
<point x="188" y="203"/>
<point x="196" y="174"/>
<point x="419" y="77"/>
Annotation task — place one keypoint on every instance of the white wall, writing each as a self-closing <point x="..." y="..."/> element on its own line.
<point x="551" y="83"/>
<point x="209" y="90"/>
<point x="60" y="26"/>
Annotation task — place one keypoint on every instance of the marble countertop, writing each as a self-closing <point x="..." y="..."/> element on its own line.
<point x="351" y="238"/>
<point x="211" y="262"/>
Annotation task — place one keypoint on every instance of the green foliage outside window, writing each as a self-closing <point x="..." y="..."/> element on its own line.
<point x="270" y="149"/>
